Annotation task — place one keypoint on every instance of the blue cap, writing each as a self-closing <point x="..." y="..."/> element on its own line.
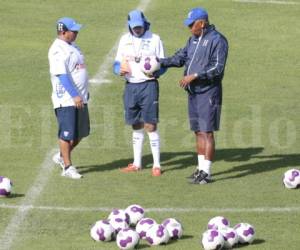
<point x="67" y="23"/>
<point x="194" y="15"/>
<point x="136" y="18"/>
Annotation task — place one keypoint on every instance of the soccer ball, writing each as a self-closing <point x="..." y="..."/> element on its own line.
<point x="127" y="238"/>
<point x="118" y="219"/>
<point x="291" y="178"/>
<point x="143" y="225"/>
<point x="157" y="234"/>
<point x="102" y="231"/>
<point x="230" y="236"/>
<point x="212" y="239"/>
<point x="245" y="232"/>
<point x="135" y="212"/>
<point x="173" y="227"/>
<point x="149" y="64"/>
<point x="5" y="186"/>
<point x="218" y="222"/>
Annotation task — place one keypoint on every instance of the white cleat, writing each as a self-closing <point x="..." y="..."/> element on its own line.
<point x="71" y="172"/>
<point x="57" y="159"/>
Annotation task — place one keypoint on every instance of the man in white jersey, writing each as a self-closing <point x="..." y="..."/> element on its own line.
<point x="141" y="91"/>
<point x="70" y="94"/>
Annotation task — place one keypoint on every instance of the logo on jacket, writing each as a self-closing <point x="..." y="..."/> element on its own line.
<point x="205" y="42"/>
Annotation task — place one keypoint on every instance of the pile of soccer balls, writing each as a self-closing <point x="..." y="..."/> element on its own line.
<point x="291" y="178"/>
<point x="5" y="186"/>
<point x="129" y="226"/>
<point x="221" y="235"/>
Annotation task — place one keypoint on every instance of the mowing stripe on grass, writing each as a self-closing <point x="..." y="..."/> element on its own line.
<point x="160" y="210"/>
<point x="267" y="2"/>
<point x="11" y="231"/>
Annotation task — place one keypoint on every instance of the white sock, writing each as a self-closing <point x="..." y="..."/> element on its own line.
<point x="201" y="158"/>
<point x="137" y="142"/>
<point x="155" y="147"/>
<point x="206" y="166"/>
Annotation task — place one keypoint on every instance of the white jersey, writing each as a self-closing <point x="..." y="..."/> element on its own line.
<point x="65" y="58"/>
<point x="132" y="48"/>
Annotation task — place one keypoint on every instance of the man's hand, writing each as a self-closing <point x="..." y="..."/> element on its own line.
<point x="78" y="102"/>
<point x="125" y="68"/>
<point x="185" y="81"/>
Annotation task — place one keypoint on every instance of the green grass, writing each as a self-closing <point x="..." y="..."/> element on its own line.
<point x="258" y="140"/>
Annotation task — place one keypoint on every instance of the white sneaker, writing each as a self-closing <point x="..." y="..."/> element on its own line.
<point x="71" y="172"/>
<point x="57" y="159"/>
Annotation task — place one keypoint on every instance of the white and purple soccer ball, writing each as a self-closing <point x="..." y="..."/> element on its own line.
<point x="127" y="238"/>
<point x="143" y="225"/>
<point x="230" y="236"/>
<point x="5" y="186"/>
<point x="245" y="232"/>
<point x="218" y="222"/>
<point x="118" y="219"/>
<point x="149" y="64"/>
<point x="102" y="231"/>
<point x="212" y="239"/>
<point x="136" y="213"/>
<point x="157" y="234"/>
<point x="291" y="178"/>
<point x="173" y="227"/>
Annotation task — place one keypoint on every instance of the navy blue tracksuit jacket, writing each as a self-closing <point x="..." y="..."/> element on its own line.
<point x="205" y="55"/>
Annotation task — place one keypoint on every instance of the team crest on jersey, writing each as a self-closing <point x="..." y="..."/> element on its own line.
<point x="145" y="44"/>
<point x="60" y="91"/>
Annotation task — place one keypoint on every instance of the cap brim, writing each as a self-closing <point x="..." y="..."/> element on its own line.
<point x="136" y="24"/>
<point x="188" y="21"/>
<point x="76" y="27"/>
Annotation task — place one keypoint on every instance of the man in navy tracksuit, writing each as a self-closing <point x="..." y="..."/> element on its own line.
<point x="204" y="58"/>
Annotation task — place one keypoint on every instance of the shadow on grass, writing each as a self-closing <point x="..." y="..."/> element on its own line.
<point x="14" y="195"/>
<point x="255" y="242"/>
<point x="172" y="161"/>
<point x="184" y="237"/>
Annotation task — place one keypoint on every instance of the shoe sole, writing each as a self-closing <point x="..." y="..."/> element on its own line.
<point x="203" y="182"/>
<point x="130" y="171"/>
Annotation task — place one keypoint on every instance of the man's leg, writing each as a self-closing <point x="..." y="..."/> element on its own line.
<point x="65" y="150"/>
<point x="137" y="143"/>
<point x="205" y="143"/>
<point x="154" y="139"/>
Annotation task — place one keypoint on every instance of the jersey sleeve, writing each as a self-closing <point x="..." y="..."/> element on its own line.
<point x="161" y="52"/>
<point x="57" y="63"/>
<point x="119" y="55"/>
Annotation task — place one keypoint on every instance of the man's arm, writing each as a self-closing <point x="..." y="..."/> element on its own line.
<point x="71" y="89"/>
<point x="177" y="60"/>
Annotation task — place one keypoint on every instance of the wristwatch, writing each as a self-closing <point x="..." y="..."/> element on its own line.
<point x="195" y="75"/>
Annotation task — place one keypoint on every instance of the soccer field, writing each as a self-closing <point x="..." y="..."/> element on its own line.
<point x="258" y="141"/>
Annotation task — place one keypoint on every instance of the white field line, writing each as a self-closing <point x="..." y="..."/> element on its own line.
<point x="31" y="196"/>
<point x="106" y="66"/>
<point x="267" y="2"/>
<point x="159" y="210"/>
<point x="11" y="231"/>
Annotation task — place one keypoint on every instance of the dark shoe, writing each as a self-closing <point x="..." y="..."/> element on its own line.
<point x="201" y="178"/>
<point x="193" y="175"/>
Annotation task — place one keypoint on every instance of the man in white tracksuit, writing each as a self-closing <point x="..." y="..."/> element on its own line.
<point x="141" y="92"/>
